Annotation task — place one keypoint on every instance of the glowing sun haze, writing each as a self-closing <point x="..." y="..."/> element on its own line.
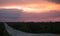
<point x="30" y="5"/>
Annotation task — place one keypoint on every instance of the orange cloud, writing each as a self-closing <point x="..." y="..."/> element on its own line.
<point x="43" y="6"/>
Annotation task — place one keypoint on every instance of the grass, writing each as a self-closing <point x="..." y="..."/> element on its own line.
<point x="32" y="27"/>
<point x="36" y="27"/>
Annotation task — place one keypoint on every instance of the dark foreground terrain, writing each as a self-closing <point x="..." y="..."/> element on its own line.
<point x="32" y="27"/>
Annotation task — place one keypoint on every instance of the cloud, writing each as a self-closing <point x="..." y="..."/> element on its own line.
<point x="20" y="2"/>
<point x="52" y="14"/>
<point x="10" y="13"/>
<point x="44" y="15"/>
<point x="18" y="15"/>
<point x="47" y="16"/>
<point x="56" y="1"/>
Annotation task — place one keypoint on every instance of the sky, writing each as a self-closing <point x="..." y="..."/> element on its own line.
<point x="29" y="10"/>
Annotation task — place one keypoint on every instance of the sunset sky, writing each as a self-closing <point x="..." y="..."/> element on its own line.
<point x="30" y="10"/>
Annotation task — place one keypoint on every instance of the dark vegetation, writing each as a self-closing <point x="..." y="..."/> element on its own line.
<point x="3" y="32"/>
<point x="36" y="27"/>
<point x="32" y="27"/>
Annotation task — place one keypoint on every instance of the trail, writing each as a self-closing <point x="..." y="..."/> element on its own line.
<point x="15" y="32"/>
